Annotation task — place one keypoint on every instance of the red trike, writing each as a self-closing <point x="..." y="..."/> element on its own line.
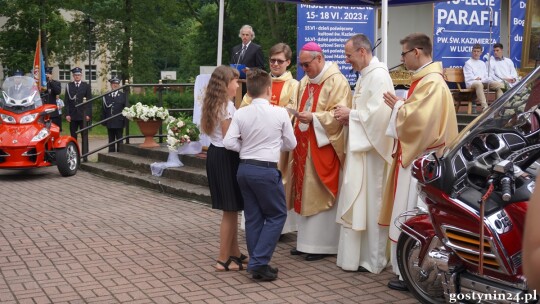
<point x="28" y="138"/>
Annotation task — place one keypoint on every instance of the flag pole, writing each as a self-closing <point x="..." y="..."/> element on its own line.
<point x="38" y="69"/>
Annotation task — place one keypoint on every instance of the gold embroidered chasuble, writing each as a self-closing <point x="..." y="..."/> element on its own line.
<point x="426" y="122"/>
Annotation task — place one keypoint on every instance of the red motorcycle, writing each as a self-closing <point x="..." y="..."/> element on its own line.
<point x="465" y="245"/>
<point x="28" y="138"/>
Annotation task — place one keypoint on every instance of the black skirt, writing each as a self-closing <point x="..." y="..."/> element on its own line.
<point x="221" y="168"/>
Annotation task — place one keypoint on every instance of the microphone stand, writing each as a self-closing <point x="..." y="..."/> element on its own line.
<point x="395" y="67"/>
<point x="377" y="43"/>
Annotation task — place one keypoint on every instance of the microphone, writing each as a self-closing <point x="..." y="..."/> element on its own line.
<point x="236" y="54"/>
<point x="239" y="56"/>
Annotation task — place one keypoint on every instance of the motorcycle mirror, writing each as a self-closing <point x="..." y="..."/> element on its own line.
<point x="426" y="168"/>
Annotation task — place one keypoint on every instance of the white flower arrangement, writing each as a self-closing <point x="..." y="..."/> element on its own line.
<point x="180" y="131"/>
<point x="145" y="113"/>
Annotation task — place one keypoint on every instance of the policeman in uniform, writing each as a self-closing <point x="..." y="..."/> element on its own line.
<point x="54" y="89"/>
<point x="75" y="92"/>
<point x="114" y="103"/>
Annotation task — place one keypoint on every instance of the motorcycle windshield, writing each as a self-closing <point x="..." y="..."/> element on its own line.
<point x="513" y="111"/>
<point x="20" y="93"/>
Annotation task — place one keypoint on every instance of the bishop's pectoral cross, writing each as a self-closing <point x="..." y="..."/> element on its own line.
<point x="309" y="101"/>
<point x="307" y="108"/>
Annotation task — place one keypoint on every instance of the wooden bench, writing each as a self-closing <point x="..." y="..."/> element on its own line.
<point x="461" y="94"/>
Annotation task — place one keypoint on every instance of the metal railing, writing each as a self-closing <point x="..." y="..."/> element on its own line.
<point x="159" y="88"/>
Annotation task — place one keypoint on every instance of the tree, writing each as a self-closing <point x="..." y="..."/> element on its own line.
<point x="140" y="37"/>
<point x="19" y="34"/>
<point x="199" y="45"/>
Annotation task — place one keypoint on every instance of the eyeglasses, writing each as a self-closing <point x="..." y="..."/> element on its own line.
<point x="405" y="53"/>
<point x="277" y="61"/>
<point x="306" y="64"/>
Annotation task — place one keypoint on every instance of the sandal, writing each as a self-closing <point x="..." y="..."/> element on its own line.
<point x="227" y="264"/>
<point x="243" y="259"/>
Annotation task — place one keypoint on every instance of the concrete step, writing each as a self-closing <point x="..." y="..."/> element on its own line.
<point x="132" y="165"/>
<point x="174" y="187"/>
<point x="160" y="154"/>
<point x="142" y="164"/>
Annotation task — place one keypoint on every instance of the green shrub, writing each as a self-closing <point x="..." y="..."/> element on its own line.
<point x="170" y="99"/>
<point x="174" y="98"/>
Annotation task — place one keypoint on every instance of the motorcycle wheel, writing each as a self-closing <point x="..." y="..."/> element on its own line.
<point x="422" y="286"/>
<point x="68" y="159"/>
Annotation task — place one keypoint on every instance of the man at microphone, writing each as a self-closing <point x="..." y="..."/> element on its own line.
<point x="247" y="53"/>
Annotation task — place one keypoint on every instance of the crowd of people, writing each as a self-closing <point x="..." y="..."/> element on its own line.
<point x="312" y="156"/>
<point x="334" y="162"/>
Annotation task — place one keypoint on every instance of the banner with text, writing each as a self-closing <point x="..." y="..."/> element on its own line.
<point x="459" y="24"/>
<point x="331" y="26"/>
<point x="517" y="26"/>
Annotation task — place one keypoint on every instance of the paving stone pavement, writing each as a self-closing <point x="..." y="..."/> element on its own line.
<point x="86" y="239"/>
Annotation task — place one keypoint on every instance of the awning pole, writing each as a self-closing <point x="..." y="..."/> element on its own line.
<point x="384" y="31"/>
<point x="220" y="32"/>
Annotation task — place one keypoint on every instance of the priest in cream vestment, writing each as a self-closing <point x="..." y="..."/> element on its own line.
<point x="362" y="241"/>
<point x="319" y="155"/>
<point x="284" y="94"/>
<point x="425" y="121"/>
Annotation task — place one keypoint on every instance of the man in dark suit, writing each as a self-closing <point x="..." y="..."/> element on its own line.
<point x="113" y="104"/>
<point x="75" y="92"/>
<point x="54" y="88"/>
<point x="248" y="53"/>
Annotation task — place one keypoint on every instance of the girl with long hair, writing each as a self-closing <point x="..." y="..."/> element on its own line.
<point x="222" y="164"/>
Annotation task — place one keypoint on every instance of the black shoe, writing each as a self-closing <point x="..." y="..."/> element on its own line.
<point x="397" y="284"/>
<point x="294" y="251"/>
<point x="315" y="257"/>
<point x="362" y="269"/>
<point x="273" y="269"/>
<point x="264" y="273"/>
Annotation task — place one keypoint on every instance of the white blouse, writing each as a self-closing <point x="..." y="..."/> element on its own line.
<point x="216" y="138"/>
